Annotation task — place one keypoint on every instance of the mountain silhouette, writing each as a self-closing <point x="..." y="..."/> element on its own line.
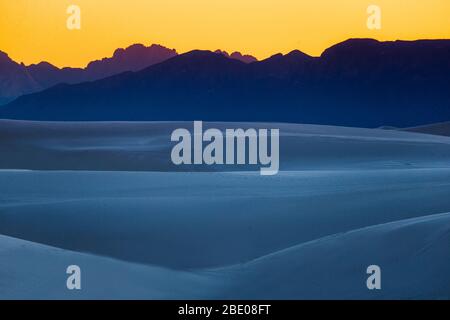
<point x="17" y="79"/>
<point x="133" y="58"/>
<point x="359" y="82"/>
<point x="440" y="129"/>
<point x="246" y="58"/>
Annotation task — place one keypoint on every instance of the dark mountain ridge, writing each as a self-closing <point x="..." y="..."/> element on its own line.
<point x="17" y="79"/>
<point x="359" y="82"/>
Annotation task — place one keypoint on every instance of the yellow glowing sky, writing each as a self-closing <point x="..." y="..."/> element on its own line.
<point x="35" y="30"/>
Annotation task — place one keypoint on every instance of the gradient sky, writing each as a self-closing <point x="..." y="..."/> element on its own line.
<point x="35" y="30"/>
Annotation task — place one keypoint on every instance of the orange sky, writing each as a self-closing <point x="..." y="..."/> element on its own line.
<point x="35" y="30"/>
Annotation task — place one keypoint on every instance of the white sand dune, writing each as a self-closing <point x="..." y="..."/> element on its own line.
<point x="146" y="146"/>
<point x="344" y="198"/>
<point x="412" y="254"/>
<point x="199" y="220"/>
<point x="33" y="271"/>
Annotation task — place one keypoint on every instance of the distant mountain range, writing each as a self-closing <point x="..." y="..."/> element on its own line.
<point x="17" y="79"/>
<point x="238" y="56"/>
<point x="440" y="129"/>
<point x="359" y="82"/>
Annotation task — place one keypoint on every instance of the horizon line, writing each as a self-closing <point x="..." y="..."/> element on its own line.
<point x="213" y="51"/>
